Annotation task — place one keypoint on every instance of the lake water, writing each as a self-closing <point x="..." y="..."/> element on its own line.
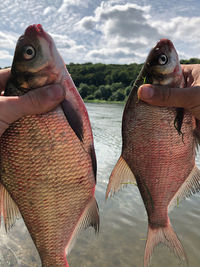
<point x="123" y="227"/>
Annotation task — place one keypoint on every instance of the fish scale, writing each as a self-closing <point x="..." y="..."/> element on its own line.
<point x="158" y="151"/>
<point x="34" y="171"/>
<point x="165" y="143"/>
<point x="48" y="162"/>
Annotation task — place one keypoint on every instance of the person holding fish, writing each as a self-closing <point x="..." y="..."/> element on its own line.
<point x="158" y="142"/>
<point x="34" y="102"/>
<point x="50" y="178"/>
<point x="16" y="107"/>
<point x="187" y="97"/>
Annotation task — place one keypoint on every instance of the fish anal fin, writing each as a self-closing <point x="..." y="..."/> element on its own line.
<point x="120" y="176"/>
<point x="167" y="236"/>
<point x="90" y="217"/>
<point x="9" y="209"/>
<point x="188" y="188"/>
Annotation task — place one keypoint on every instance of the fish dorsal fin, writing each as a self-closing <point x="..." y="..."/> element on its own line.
<point x="188" y="188"/>
<point x="9" y="209"/>
<point x="120" y="176"/>
<point x="90" y="217"/>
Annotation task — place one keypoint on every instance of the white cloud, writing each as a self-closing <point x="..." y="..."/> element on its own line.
<point x="8" y="40"/>
<point x="87" y="23"/>
<point x="118" y="17"/>
<point x="68" y="48"/>
<point x="114" y="31"/>
<point x="122" y="31"/>
<point x="63" y="41"/>
<point x="132" y="28"/>
<point x="66" y="3"/>
<point x="4" y="54"/>
<point x="48" y="10"/>
<point x="180" y="28"/>
<point x="184" y="31"/>
<point x="108" y="55"/>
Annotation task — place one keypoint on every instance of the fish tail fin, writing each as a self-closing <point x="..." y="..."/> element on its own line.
<point x="167" y="236"/>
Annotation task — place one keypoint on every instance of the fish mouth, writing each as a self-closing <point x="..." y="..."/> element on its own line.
<point x="164" y="42"/>
<point x="34" y="29"/>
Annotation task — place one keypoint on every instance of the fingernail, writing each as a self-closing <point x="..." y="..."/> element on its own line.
<point x="146" y="92"/>
<point x="55" y="92"/>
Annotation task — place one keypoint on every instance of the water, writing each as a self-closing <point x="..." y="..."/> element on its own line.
<point x="121" y="240"/>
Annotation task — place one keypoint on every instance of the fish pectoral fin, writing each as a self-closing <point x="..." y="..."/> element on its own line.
<point x="9" y="209"/>
<point x="188" y="188"/>
<point x="120" y="176"/>
<point x="90" y="217"/>
<point x="197" y="133"/>
<point x="73" y="117"/>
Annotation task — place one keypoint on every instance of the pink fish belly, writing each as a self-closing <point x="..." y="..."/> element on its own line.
<point x="159" y="157"/>
<point x="50" y="177"/>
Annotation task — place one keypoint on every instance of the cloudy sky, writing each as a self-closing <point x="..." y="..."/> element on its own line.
<point x="112" y="31"/>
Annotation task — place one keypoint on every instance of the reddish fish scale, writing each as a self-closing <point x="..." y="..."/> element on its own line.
<point x="50" y="196"/>
<point x="157" y="155"/>
<point x="158" y="145"/>
<point x="47" y="169"/>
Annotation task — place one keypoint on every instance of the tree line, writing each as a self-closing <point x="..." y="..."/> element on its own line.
<point x="103" y="81"/>
<point x="108" y="82"/>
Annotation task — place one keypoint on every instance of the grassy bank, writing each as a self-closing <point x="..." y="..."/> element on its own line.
<point x="104" y="101"/>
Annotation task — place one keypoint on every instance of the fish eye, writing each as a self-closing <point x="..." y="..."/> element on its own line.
<point x="162" y="60"/>
<point x="28" y="52"/>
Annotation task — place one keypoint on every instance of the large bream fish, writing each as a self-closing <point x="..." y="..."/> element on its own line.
<point x="158" y="150"/>
<point x="48" y="163"/>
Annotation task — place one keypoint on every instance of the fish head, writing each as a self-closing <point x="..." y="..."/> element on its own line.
<point x="36" y="61"/>
<point x="163" y="65"/>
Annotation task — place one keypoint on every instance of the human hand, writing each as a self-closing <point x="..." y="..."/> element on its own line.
<point x="34" y="102"/>
<point x="188" y="97"/>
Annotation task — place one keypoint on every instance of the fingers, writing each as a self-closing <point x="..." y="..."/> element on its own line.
<point x="170" y="97"/>
<point x="34" y="102"/>
<point x="191" y="74"/>
<point x="41" y="100"/>
<point x="4" y="74"/>
<point x="187" y="97"/>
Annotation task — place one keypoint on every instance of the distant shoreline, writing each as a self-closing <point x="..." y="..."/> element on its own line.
<point x="104" y="101"/>
<point x="107" y="83"/>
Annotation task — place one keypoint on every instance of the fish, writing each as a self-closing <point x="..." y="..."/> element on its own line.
<point x="158" y="150"/>
<point x="47" y="162"/>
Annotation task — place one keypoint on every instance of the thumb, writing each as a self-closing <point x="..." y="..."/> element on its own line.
<point x="34" y="102"/>
<point x="40" y="100"/>
<point x="170" y="97"/>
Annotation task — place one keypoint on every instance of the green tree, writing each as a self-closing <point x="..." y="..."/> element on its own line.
<point x="127" y="90"/>
<point x="190" y="61"/>
<point x="118" y="96"/>
<point x="84" y="90"/>
<point x="123" y="78"/>
<point x="90" y="97"/>
<point x="97" y="94"/>
<point x="105" y="91"/>
<point x="116" y="86"/>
